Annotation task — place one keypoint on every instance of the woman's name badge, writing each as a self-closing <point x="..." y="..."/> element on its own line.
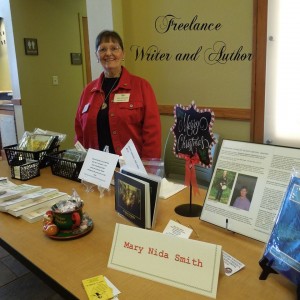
<point x="121" y="97"/>
<point x="86" y="108"/>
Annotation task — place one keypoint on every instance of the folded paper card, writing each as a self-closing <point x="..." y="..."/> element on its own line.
<point x="169" y="188"/>
<point x="177" y="229"/>
<point x="183" y="263"/>
<point x="98" y="167"/>
<point x="132" y="158"/>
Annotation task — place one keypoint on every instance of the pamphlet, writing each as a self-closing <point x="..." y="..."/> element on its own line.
<point x="231" y="264"/>
<point x="99" y="287"/>
<point x="177" y="229"/>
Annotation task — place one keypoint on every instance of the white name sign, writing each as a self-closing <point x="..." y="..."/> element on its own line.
<point x="187" y="264"/>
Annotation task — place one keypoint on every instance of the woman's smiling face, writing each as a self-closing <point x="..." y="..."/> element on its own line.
<point x="110" y="54"/>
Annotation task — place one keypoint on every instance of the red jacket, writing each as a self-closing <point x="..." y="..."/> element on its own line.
<point x="138" y="119"/>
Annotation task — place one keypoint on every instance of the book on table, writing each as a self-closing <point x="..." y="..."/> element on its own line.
<point x="282" y="250"/>
<point x="49" y="200"/>
<point x="133" y="198"/>
<point x="17" y="191"/>
<point x="154" y="186"/>
<point x="38" y="212"/>
<point x="5" y="183"/>
<point x="27" y="198"/>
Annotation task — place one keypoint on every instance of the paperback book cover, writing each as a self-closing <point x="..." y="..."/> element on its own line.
<point x="154" y="186"/>
<point x="282" y="249"/>
<point x="132" y="199"/>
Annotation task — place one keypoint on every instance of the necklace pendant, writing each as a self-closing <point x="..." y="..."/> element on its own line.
<point x="104" y="105"/>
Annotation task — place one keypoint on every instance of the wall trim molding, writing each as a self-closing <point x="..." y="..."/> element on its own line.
<point x="232" y="114"/>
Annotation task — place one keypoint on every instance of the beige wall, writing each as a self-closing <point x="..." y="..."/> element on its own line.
<point x="209" y="84"/>
<point x="55" y="24"/>
<point x="5" y="83"/>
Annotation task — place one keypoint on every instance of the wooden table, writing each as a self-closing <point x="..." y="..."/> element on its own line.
<point x="63" y="264"/>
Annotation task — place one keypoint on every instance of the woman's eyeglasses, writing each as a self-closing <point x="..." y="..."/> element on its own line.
<point x="113" y="49"/>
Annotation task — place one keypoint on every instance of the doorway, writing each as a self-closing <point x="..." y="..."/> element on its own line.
<point x="86" y="46"/>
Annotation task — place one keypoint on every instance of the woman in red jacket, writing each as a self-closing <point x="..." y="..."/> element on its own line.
<point x="118" y="106"/>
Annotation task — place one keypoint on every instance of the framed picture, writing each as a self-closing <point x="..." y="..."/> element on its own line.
<point x="76" y="59"/>
<point x="31" y="46"/>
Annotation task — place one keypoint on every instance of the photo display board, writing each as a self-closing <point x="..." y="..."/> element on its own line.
<point x="247" y="187"/>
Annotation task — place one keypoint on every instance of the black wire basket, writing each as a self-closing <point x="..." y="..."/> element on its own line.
<point x="14" y="155"/>
<point x="26" y="170"/>
<point x="63" y="167"/>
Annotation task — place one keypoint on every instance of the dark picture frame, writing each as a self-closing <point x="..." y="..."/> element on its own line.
<point x="76" y="58"/>
<point x="31" y="46"/>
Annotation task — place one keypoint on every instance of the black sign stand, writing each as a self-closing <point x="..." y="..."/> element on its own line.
<point x="193" y="128"/>
<point x="189" y="209"/>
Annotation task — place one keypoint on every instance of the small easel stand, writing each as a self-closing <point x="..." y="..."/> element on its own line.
<point x="89" y="187"/>
<point x="102" y="190"/>
<point x="190" y="209"/>
<point x="266" y="265"/>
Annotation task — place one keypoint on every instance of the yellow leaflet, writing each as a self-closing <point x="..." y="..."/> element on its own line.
<point x="97" y="288"/>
